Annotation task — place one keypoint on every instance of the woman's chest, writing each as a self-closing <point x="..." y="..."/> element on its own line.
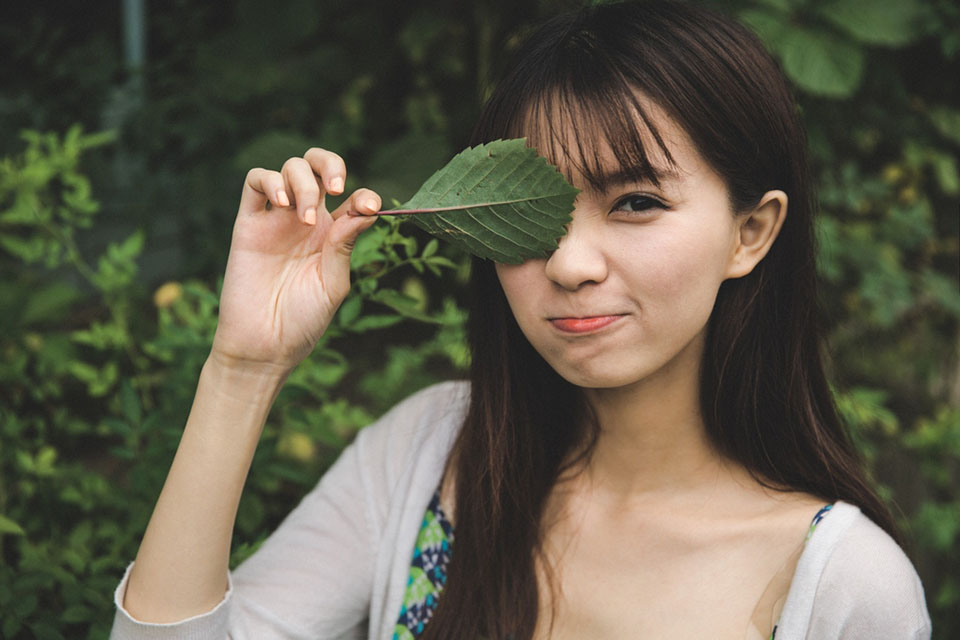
<point x="653" y="583"/>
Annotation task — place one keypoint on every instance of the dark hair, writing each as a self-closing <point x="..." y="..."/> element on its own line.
<point x="764" y="397"/>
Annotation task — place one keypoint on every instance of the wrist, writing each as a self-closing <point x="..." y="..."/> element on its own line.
<point x="247" y="379"/>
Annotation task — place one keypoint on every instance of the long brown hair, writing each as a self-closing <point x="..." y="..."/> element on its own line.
<point x="764" y="397"/>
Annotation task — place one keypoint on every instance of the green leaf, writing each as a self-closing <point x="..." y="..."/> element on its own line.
<point x="130" y="248"/>
<point x="948" y="595"/>
<point x="30" y="249"/>
<point x="821" y="63"/>
<point x="77" y="613"/>
<point x="947" y="122"/>
<point x="349" y="310"/>
<point x="942" y="289"/>
<point x="98" y="139"/>
<point x="9" y="526"/>
<point x="24" y="606"/>
<point x="939" y="524"/>
<point x="779" y="5"/>
<point x="945" y="169"/>
<point x="409" y="246"/>
<point x="44" y="461"/>
<point x="374" y="321"/>
<point x="250" y="513"/>
<point x="49" y="302"/>
<point x="499" y="201"/>
<point x="98" y="381"/>
<point x="130" y="402"/>
<point x="367" y="250"/>
<point x="891" y="23"/>
<point x="45" y="631"/>
<point x="430" y="249"/>
<point x="440" y="261"/>
<point x="403" y="304"/>
<point x="11" y="626"/>
<point x="20" y="214"/>
<point x="769" y="26"/>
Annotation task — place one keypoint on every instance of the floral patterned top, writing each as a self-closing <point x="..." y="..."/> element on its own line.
<point x="428" y="570"/>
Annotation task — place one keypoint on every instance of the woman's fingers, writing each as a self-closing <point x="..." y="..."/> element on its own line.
<point x="341" y="238"/>
<point x="302" y="182"/>
<point x="307" y="179"/>
<point x="329" y="166"/>
<point x="335" y="254"/>
<point x="300" y="186"/>
<point x="262" y="186"/>
<point x="303" y="189"/>
<point x="362" y="201"/>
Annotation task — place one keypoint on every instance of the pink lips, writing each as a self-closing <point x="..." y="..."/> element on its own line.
<point x="583" y="325"/>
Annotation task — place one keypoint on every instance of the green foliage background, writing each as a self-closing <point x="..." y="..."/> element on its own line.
<point x="112" y="244"/>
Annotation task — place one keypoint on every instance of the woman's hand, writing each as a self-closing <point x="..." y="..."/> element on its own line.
<point x="289" y="263"/>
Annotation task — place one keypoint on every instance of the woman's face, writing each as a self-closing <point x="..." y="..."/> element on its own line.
<point x="630" y="288"/>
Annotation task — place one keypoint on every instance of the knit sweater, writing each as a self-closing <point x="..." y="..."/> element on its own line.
<point x="337" y="566"/>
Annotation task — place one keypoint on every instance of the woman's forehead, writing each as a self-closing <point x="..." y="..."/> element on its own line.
<point x="602" y="147"/>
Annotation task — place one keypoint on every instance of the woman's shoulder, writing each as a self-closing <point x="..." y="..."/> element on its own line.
<point x="866" y="559"/>
<point x="440" y="406"/>
<point x="424" y="424"/>
<point x="855" y="579"/>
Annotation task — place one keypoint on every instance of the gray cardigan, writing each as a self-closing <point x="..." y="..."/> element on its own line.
<point x="337" y="567"/>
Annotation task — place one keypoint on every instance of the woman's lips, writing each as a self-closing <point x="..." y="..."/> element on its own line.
<point x="585" y="324"/>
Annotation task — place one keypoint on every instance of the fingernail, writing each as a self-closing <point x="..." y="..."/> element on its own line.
<point x="336" y="184"/>
<point x="370" y="204"/>
<point x="282" y="198"/>
<point x="310" y="216"/>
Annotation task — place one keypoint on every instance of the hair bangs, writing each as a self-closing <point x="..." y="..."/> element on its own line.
<point x="585" y="117"/>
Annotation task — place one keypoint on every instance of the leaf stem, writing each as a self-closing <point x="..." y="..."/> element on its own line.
<point x="456" y="207"/>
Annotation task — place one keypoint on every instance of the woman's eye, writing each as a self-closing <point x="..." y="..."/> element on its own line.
<point x="638" y="204"/>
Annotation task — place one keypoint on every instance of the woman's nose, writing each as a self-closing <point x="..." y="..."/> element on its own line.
<point x="579" y="259"/>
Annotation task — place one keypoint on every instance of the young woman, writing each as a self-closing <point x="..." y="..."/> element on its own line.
<point x="646" y="447"/>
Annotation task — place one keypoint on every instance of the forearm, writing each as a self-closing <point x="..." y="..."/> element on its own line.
<point x="181" y="567"/>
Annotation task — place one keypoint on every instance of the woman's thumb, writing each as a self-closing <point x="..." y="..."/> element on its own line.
<point x="335" y="254"/>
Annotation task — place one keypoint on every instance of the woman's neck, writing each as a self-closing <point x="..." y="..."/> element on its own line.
<point x="653" y="441"/>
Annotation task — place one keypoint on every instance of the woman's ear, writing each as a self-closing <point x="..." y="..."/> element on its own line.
<point x="757" y="231"/>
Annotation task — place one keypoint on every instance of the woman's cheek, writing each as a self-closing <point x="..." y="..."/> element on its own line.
<point x="678" y="276"/>
<point x="521" y="284"/>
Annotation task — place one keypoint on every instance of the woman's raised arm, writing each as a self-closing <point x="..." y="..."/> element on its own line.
<point x="288" y="271"/>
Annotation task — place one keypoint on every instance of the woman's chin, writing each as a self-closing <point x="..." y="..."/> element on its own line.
<point x="594" y="377"/>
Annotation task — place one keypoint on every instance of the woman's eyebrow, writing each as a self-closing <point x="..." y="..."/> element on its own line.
<point x="633" y="175"/>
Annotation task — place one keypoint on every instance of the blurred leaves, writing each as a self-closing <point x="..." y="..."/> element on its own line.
<point x="823" y="45"/>
<point x="893" y="23"/>
<point x="821" y="63"/>
<point x="947" y="122"/>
